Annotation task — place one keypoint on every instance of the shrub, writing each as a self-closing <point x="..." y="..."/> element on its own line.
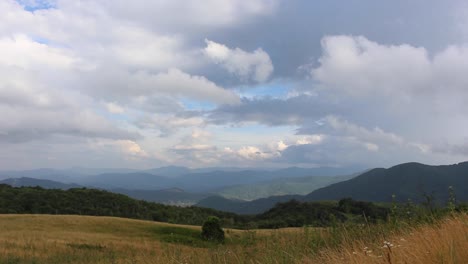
<point x="212" y="230"/>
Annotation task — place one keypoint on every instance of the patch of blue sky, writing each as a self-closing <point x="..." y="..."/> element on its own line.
<point x="33" y="5"/>
<point x="41" y="40"/>
<point x="274" y="90"/>
<point x="197" y="105"/>
<point x="48" y="42"/>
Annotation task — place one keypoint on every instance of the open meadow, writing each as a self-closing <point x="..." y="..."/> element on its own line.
<point x="87" y="239"/>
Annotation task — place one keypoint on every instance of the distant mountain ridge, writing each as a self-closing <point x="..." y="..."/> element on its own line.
<point x="31" y="182"/>
<point x="209" y="181"/>
<point x="192" y="180"/>
<point x="131" y="181"/>
<point x="169" y="171"/>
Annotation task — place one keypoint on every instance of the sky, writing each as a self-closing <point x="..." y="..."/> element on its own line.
<point x="258" y="83"/>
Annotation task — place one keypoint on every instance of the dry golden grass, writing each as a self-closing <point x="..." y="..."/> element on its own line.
<point x="443" y="242"/>
<point x="86" y="239"/>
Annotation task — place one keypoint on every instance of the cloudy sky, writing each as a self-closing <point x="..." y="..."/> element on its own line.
<point x="140" y="84"/>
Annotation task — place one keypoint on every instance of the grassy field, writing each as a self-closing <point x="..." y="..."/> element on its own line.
<point x="85" y="239"/>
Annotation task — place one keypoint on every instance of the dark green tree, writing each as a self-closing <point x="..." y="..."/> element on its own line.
<point x="212" y="231"/>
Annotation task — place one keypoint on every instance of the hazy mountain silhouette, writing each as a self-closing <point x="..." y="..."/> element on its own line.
<point x="31" y="182"/>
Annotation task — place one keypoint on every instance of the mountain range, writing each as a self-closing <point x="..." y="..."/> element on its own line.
<point x="417" y="182"/>
<point x="191" y="180"/>
<point x="255" y="191"/>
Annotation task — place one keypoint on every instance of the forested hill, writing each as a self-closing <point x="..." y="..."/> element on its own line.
<point x="413" y="181"/>
<point x="82" y="201"/>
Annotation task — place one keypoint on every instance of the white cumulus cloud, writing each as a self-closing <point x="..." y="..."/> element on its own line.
<point x="359" y="66"/>
<point x="254" y="65"/>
